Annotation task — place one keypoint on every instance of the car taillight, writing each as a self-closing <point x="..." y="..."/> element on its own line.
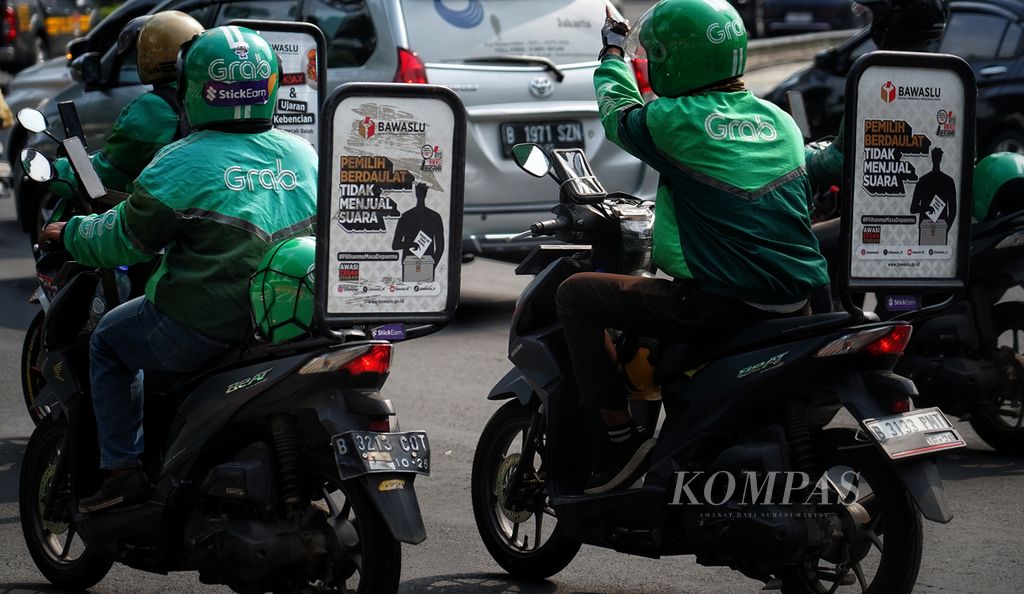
<point x="10" y="25"/>
<point x="888" y="340"/>
<point x="643" y="79"/>
<point x="410" y="68"/>
<point x="375" y="358"/>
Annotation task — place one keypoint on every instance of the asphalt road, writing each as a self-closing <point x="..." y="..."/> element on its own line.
<point x="438" y="384"/>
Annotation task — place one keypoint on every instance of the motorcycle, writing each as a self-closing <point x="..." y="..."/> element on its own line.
<point x="969" y="360"/>
<point x="746" y="471"/>
<point x="276" y="468"/>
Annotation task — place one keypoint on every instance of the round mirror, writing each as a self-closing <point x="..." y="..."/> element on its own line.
<point x="531" y="159"/>
<point x="32" y="120"/>
<point x="36" y="165"/>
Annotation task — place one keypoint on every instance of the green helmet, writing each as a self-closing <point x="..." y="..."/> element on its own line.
<point x="228" y="74"/>
<point x="998" y="185"/>
<point x="689" y="44"/>
<point x="281" y="290"/>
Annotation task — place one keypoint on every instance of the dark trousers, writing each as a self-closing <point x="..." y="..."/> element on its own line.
<point x="670" y="311"/>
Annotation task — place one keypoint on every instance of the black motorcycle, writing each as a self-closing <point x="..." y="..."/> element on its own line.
<point x="969" y="360"/>
<point x="275" y="468"/>
<point x="748" y="470"/>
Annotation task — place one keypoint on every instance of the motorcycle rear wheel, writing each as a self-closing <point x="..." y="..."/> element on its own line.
<point x="894" y="536"/>
<point x="32" y="381"/>
<point x="1000" y="421"/>
<point x="52" y="544"/>
<point x="498" y="524"/>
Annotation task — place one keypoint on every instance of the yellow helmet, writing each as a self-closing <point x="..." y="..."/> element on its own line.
<point x="159" y="41"/>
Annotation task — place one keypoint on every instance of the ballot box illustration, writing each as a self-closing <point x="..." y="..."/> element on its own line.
<point x="933" y="232"/>
<point x="417" y="270"/>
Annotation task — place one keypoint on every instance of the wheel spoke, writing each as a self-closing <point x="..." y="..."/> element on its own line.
<point x="67" y="543"/>
<point x="859" y="572"/>
<point x="875" y="541"/>
<point x="514" y="537"/>
<point x="536" y="535"/>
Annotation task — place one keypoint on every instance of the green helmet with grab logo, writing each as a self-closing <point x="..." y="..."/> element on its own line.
<point x="689" y="44"/>
<point x="281" y="290"/>
<point x="998" y="185"/>
<point x="228" y="74"/>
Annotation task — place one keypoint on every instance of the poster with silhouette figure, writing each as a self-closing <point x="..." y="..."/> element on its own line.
<point x="301" y="49"/>
<point x="908" y="172"/>
<point x="390" y="204"/>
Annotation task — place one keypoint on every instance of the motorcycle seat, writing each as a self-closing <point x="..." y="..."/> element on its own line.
<point x="678" y="358"/>
<point x="163" y="384"/>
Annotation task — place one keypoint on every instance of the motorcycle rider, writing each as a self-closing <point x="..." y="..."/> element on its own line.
<point x="150" y="121"/>
<point x="214" y="202"/>
<point x="736" y="239"/>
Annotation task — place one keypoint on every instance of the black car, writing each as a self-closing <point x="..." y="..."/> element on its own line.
<point x="34" y="30"/>
<point x="989" y="34"/>
<point x="785" y="17"/>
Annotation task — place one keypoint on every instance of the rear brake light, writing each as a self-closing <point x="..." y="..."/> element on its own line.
<point x="643" y="79"/>
<point x="892" y="343"/>
<point x="374" y="358"/>
<point x="899" y="405"/>
<point x="410" y="68"/>
<point x="888" y="340"/>
<point x="379" y="424"/>
<point x="10" y="25"/>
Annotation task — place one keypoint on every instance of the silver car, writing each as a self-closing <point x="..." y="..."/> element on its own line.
<point x="523" y="68"/>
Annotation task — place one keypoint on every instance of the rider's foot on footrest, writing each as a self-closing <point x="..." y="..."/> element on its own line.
<point x="117" y="490"/>
<point x="622" y="464"/>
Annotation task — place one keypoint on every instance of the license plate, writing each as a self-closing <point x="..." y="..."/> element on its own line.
<point x="799" y="17"/>
<point x="366" y="452"/>
<point x="548" y="135"/>
<point x="914" y="433"/>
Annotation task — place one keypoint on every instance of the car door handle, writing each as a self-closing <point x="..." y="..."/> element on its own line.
<point x="992" y="70"/>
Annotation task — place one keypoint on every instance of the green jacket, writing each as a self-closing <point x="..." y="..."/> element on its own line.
<point x="215" y="202"/>
<point x="147" y="124"/>
<point x="732" y="205"/>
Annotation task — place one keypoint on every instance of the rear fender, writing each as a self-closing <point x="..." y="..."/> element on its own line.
<point x="394" y="496"/>
<point x="863" y="396"/>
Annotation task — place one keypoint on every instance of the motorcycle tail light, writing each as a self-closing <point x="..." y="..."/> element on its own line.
<point x="379" y="424"/>
<point x="410" y="68"/>
<point x="374" y="358"/>
<point x="899" y="405"/>
<point x="888" y="340"/>
<point x="10" y="26"/>
<point x="892" y="343"/>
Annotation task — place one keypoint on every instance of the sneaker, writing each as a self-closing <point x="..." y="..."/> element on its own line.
<point x="117" y="490"/>
<point x="622" y="464"/>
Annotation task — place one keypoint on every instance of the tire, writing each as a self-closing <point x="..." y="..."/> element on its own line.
<point x="1002" y="431"/>
<point x="1010" y="139"/>
<point x="893" y="518"/>
<point x="42" y="537"/>
<point x="491" y="462"/>
<point x="377" y="553"/>
<point x="31" y="357"/>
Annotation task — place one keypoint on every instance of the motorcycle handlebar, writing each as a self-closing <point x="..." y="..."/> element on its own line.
<point x="549" y="227"/>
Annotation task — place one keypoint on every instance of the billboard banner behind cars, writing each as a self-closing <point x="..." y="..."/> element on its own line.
<point x="302" y="50"/>
<point x="908" y="172"/>
<point x="390" y="204"/>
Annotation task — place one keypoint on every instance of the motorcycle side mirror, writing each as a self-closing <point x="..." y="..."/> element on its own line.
<point x="531" y="159"/>
<point x="86" y="69"/>
<point x="36" y="166"/>
<point x="32" y="120"/>
<point x="76" y="47"/>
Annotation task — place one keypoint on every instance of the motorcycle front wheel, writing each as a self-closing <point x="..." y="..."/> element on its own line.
<point x="1000" y="420"/>
<point x="32" y="381"/>
<point x="883" y="554"/>
<point x="63" y="558"/>
<point x="516" y="536"/>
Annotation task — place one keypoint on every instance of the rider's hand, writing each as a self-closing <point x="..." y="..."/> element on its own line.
<point x="52" y="233"/>
<point x="613" y="35"/>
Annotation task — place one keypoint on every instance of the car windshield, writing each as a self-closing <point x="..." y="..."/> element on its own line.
<point x="564" y="31"/>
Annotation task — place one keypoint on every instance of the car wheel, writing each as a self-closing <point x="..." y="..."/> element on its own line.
<point x="1010" y="140"/>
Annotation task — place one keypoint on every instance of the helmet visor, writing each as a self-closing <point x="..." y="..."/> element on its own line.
<point x="634" y="49"/>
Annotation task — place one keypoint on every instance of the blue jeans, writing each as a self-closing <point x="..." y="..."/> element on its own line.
<point x="135" y="336"/>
